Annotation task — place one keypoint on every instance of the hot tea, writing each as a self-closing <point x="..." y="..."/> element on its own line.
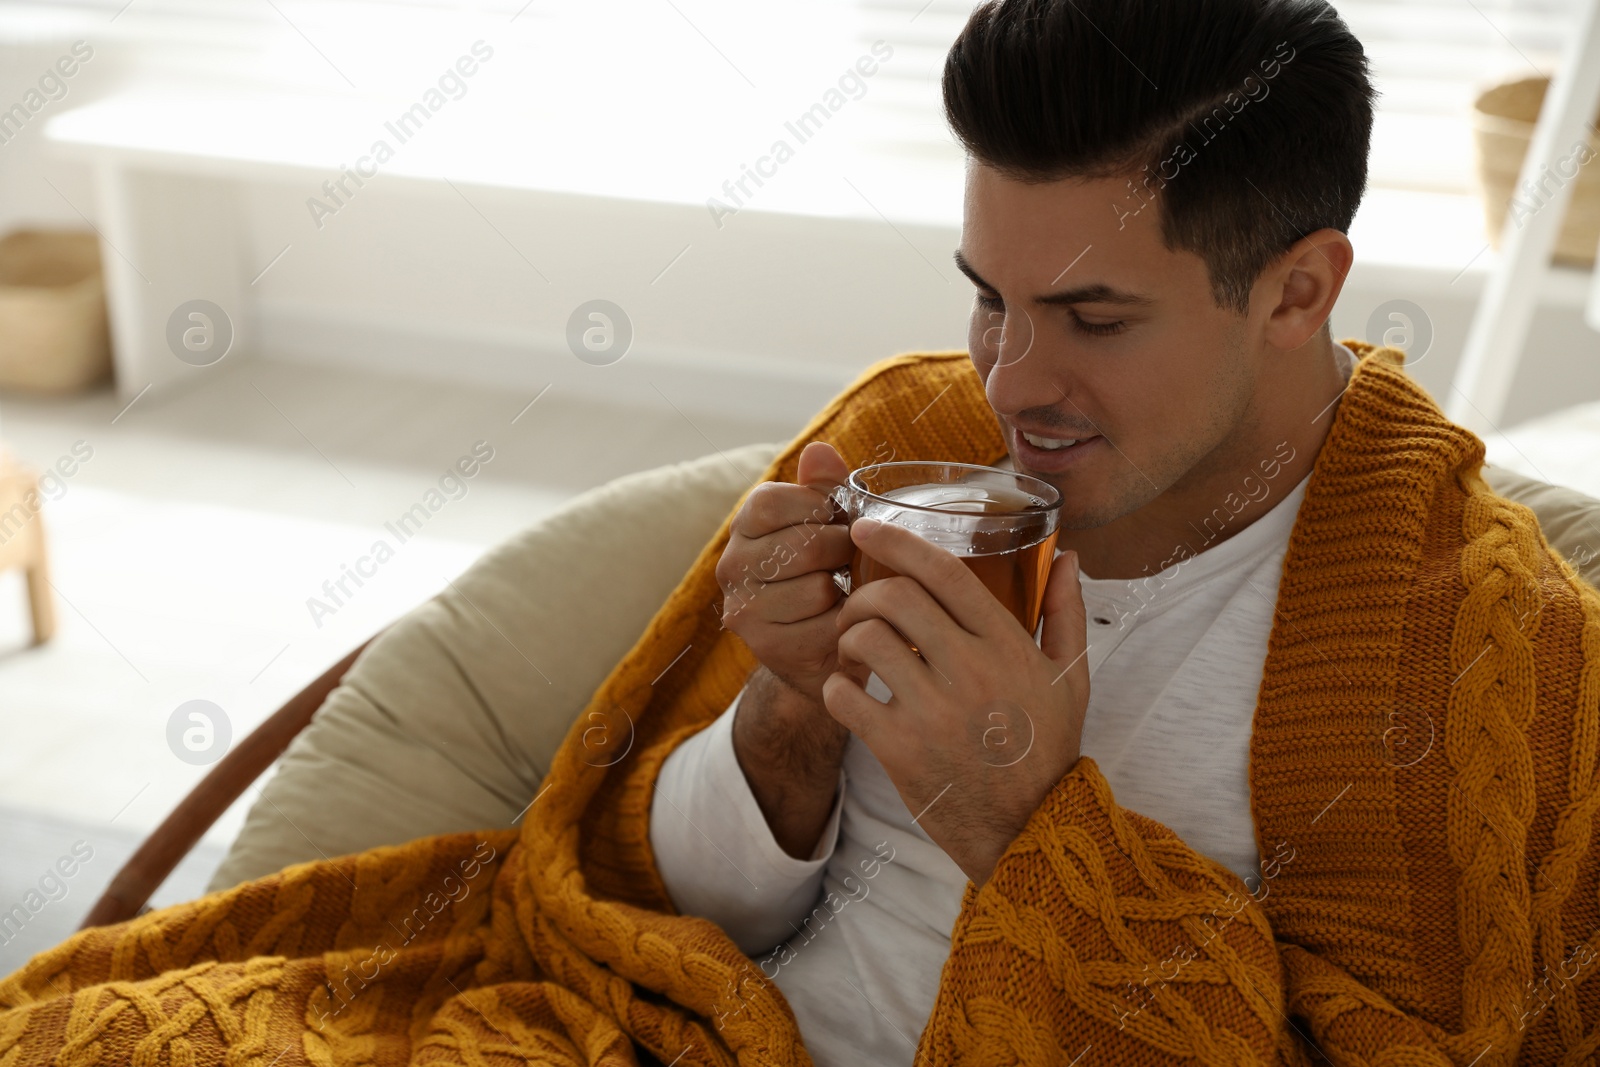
<point x="1012" y="562"/>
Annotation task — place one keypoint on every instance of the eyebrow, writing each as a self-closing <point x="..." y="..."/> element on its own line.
<point x="1093" y="293"/>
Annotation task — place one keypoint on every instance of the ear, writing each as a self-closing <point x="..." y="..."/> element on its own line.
<point x="1305" y="282"/>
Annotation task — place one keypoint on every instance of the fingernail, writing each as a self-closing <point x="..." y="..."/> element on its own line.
<point x="867" y="526"/>
<point x="1074" y="566"/>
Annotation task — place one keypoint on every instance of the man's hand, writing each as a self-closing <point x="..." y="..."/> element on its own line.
<point x="776" y="573"/>
<point x="984" y="723"/>
<point x="780" y="598"/>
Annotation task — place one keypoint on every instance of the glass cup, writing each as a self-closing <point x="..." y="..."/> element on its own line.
<point x="1003" y="525"/>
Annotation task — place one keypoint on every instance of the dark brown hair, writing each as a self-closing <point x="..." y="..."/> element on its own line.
<point x="1245" y="123"/>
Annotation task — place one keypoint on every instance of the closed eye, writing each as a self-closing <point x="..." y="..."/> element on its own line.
<point x="1093" y="329"/>
<point x="1097" y="329"/>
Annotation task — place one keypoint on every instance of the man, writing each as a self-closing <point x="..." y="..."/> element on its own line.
<point x="1302" y="767"/>
<point x="1157" y="348"/>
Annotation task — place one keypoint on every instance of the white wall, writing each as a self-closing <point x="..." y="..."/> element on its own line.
<point x="27" y="168"/>
<point x="771" y="313"/>
<point x="1561" y="359"/>
<point x="768" y="314"/>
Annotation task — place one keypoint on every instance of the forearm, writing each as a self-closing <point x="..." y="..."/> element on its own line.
<point x="790" y="750"/>
<point x="713" y="848"/>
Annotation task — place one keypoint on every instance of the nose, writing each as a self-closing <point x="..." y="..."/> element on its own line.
<point x="1021" y="371"/>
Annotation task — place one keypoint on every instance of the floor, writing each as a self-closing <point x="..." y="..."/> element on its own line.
<point x="187" y="545"/>
<point x="185" y="549"/>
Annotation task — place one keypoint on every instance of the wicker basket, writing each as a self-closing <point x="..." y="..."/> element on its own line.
<point x="1502" y="119"/>
<point x="53" y="335"/>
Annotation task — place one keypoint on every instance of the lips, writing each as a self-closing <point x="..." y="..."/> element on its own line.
<point x="1050" y="437"/>
<point x="1048" y="453"/>
<point x="1050" y="443"/>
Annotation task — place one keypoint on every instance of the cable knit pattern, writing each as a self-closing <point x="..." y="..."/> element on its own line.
<point x="1424" y="784"/>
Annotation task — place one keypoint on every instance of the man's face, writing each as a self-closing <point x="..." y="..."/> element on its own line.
<point x="1085" y="326"/>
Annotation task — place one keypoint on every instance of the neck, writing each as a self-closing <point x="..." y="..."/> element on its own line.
<point x="1241" y="480"/>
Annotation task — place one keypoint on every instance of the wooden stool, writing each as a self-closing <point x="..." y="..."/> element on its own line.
<point x="22" y="542"/>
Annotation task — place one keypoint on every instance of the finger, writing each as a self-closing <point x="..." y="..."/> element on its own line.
<point x="788" y="601"/>
<point x="821" y="467"/>
<point x="905" y="605"/>
<point x="796" y="550"/>
<point x="772" y="506"/>
<point x="1065" y="638"/>
<point x="875" y="645"/>
<point x="958" y="591"/>
<point x="811" y="642"/>
<point x="851" y="707"/>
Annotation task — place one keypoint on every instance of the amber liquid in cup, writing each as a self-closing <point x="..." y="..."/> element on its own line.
<point x="1013" y="565"/>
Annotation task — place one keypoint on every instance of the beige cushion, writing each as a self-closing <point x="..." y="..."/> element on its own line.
<point x="1570" y="520"/>
<point x="449" y="719"/>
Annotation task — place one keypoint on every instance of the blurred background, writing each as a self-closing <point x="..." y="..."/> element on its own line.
<point x="270" y="268"/>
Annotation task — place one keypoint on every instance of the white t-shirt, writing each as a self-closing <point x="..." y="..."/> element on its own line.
<point x="857" y="935"/>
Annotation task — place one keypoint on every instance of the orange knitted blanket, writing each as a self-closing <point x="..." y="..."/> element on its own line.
<point x="1423" y="778"/>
